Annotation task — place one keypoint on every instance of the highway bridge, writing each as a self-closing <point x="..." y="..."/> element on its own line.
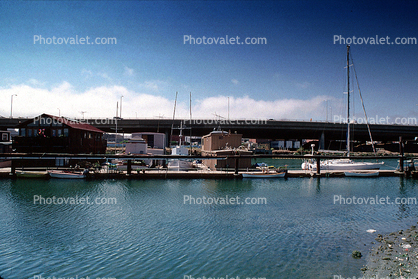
<point x="261" y="129"/>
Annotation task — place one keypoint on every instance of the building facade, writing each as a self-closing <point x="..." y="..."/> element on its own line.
<point x="221" y="143"/>
<point x="52" y="134"/>
<point x="5" y="142"/>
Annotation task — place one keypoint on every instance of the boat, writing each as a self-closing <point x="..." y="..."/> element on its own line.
<point x="346" y="163"/>
<point x="179" y="150"/>
<point x="122" y="165"/>
<point x="180" y="165"/>
<point x="341" y="164"/>
<point x="267" y="172"/>
<point x="263" y="175"/>
<point x="66" y="174"/>
<point x="31" y="174"/>
<point x="361" y="173"/>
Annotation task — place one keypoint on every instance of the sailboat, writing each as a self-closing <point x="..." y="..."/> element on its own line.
<point x="181" y="150"/>
<point x="346" y="163"/>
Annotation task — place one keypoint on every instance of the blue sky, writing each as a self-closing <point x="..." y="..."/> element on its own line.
<point x="296" y="75"/>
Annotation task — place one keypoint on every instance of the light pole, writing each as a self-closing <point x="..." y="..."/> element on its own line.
<point x="11" y="106"/>
<point x="120" y="114"/>
<point x="59" y="112"/>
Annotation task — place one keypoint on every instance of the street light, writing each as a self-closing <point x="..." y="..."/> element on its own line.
<point x="120" y="114"/>
<point x="11" y="106"/>
<point x="59" y="112"/>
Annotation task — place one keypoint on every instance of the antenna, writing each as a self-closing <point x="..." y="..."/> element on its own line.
<point x="83" y="112"/>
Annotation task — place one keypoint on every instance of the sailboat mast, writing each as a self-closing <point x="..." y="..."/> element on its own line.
<point x="348" y="100"/>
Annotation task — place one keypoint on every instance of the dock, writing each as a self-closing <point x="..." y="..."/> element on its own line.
<point x="5" y="173"/>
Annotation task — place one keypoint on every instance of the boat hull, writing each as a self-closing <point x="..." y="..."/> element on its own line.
<point x="179" y="165"/>
<point x="361" y="174"/>
<point x="342" y="165"/>
<point x="66" y="175"/>
<point x="28" y="174"/>
<point x="263" y="175"/>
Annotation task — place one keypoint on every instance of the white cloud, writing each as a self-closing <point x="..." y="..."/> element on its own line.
<point x="87" y="73"/>
<point x="105" y="76"/>
<point x="129" y="72"/>
<point x="234" y="81"/>
<point x="303" y="85"/>
<point x="35" y="82"/>
<point x="101" y="102"/>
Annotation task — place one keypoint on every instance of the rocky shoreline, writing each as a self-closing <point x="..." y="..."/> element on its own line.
<point x="394" y="255"/>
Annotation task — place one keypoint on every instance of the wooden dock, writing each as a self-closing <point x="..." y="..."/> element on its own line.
<point x="200" y="174"/>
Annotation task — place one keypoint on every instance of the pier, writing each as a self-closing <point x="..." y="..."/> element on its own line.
<point x="163" y="173"/>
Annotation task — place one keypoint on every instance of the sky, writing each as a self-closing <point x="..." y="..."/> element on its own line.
<point x="298" y="73"/>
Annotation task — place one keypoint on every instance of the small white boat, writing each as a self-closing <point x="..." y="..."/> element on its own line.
<point x="361" y="173"/>
<point x="341" y="164"/>
<point x="263" y="175"/>
<point x="66" y="174"/>
<point x="179" y="165"/>
<point x="31" y="174"/>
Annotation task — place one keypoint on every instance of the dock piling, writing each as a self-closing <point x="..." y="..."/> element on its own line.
<point x="129" y="167"/>
<point x="318" y="166"/>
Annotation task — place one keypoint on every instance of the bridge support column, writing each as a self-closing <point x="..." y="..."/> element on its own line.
<point x="322" y="141"/>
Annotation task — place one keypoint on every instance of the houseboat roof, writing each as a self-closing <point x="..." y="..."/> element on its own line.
<point x="75" y="124"/>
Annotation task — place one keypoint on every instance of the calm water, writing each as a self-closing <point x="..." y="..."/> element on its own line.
<point x="151" y="233"/>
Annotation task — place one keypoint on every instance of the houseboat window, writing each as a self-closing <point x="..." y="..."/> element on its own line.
<point x="29" y="132"/>
<point x="34" y="123"/>
<point x="85" y="135"/>
<point x="5" y="137"/>
<point x="41" y="132"/>
<point x="59" y="132"/>
<point x="54" y="132"/>
<point x="65" y="132"/>
<point x="23" y="132"/>
<point x="45" y="122"/>
<point x="90" y="136"/>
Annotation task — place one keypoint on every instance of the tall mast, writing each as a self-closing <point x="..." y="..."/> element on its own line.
<point x="348" y="100"/>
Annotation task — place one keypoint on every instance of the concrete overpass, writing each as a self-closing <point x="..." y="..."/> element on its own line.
<point x="262" y="129"/>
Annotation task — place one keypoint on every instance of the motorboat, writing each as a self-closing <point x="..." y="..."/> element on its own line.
<point x="31" y="174"/>
<point x="341" y="164"/>
<point x="66" y="174"/>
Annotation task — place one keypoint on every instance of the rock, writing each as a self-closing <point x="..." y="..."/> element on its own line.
<point x="356" y="254"/>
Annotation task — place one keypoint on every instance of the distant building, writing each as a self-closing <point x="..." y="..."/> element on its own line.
<point x="5" y="142"/>
<point x="221" y="143"/>
<point x="136" y="145"/>
<point x="147" y="143"/>
<point x="153" y="140"/>
<point x="218" y="140"/>
<point x="52" y="134"/>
